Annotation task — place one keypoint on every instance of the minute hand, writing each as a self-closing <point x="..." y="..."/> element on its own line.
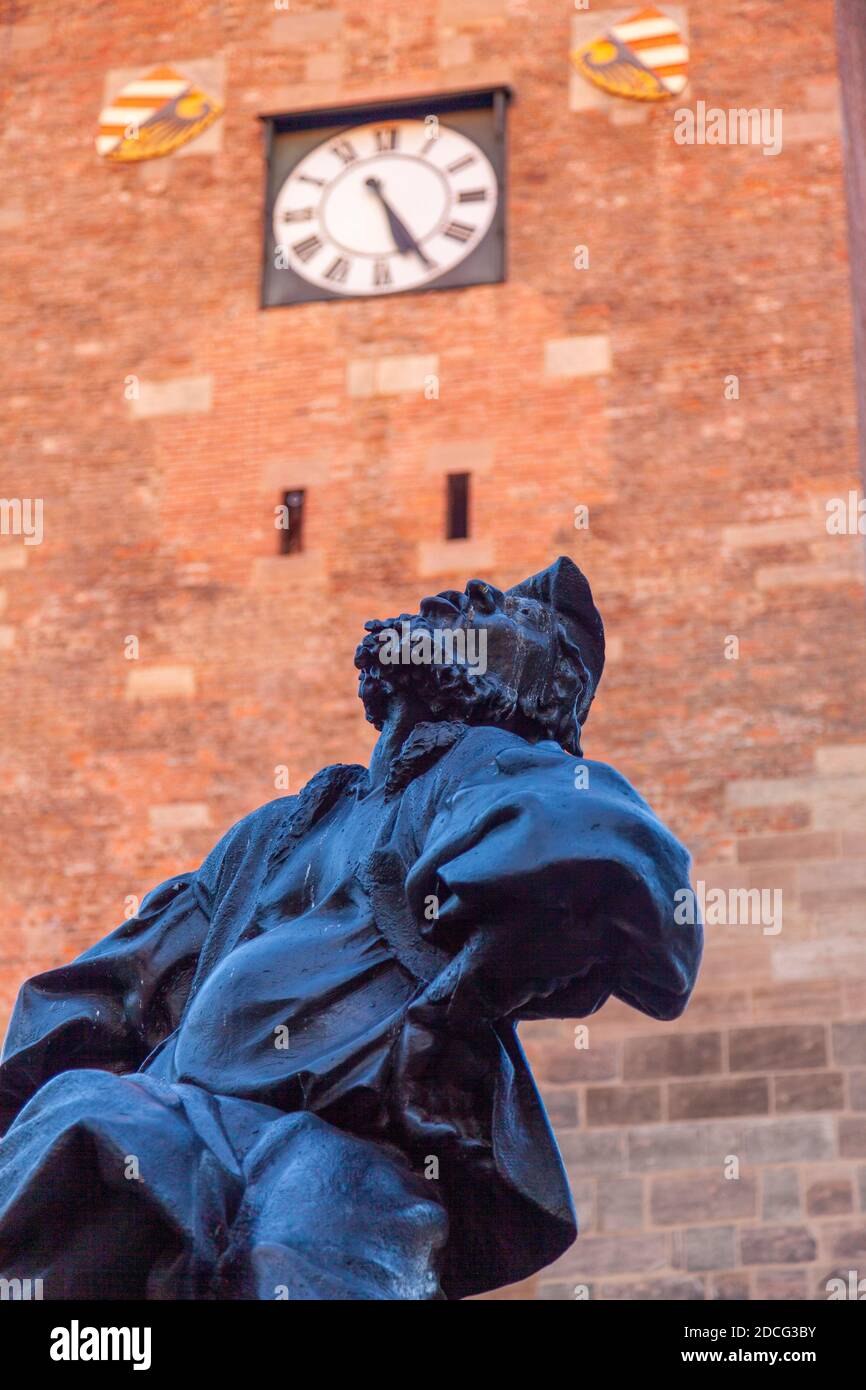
<point x="403" y="238"/>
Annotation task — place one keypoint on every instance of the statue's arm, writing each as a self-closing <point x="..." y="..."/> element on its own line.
<point x="556" y="890"/>
<point x="111" y="1006"/>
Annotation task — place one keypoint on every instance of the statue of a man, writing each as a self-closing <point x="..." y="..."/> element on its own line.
<point x="296" y="1073"/>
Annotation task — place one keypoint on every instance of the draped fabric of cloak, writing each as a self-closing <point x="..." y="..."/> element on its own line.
<point x="364" y="955"/>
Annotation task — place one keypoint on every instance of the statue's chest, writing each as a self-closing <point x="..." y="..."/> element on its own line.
<point x="325" y="865"/>
<point x="310" y="970"/>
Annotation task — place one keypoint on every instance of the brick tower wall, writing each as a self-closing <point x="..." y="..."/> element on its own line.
<point x="607" y="387"/>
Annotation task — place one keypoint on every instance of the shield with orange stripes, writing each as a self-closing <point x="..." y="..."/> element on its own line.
<point x="644" y="57"/>
<point x="154" y="115"/>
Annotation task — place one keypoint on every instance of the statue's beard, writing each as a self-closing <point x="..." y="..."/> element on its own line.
<point x="452" y="690"/>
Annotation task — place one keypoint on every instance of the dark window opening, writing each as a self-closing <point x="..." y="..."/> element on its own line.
<point x="457" y="520"/>
<point x="292" y="523"/>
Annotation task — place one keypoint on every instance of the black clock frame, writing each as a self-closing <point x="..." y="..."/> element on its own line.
<point x="485" y="264"/>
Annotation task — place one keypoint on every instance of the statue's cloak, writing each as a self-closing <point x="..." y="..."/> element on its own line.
<point x="297" y="970"/>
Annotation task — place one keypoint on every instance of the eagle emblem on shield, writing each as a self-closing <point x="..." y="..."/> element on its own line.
<point x="154" y="115"/>
<point x="644" y="57"/>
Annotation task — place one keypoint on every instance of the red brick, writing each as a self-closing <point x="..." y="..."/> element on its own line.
<point x="852" y="1138"/>
<point x="774" y="1048"/>
<point x="623" y="1105"/>
<point x="829" y="1197"/>
<point x="569" y="1063"/>
<point x="849" y="1243"/>
<point x="672" y="1054"/>
<point x="772" y="1245"/>
<point x="772" y="1284"/>
<point x="809" y="1090"/>
<point x="780" y="1189"/>
<point x="810" y="844"/>
<point x="849" y="1043"/>
<point x="620" y="1204"/>
<point x="857" y="1089"/>
<point x="687" y="1201"/>
<point x="691" y="1100"/>
<point x="561" y="1105"/>
<point x="708" y="1247"/>
<point x="671" y="1287"/>
<point x="800" y="1001"/>
<point x="620" y="1254"/>
<point x="728" y="1288"/>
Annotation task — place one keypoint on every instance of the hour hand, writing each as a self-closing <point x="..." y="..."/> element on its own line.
<point x="403" y="238"/>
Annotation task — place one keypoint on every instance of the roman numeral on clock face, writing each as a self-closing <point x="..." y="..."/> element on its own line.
<point x="458" y="231"/>
<point x="461" y="164"/>
<point x="344" y="150"/>
<point x="339" y="271"/>
<point x="305" y="250"/>
<point x="387" y="139"/>
<point x="472" y="195"/>
<point x="297" y="215"/>
<point x="381" y="273"/>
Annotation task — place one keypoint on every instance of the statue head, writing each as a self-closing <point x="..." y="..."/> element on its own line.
<point x="528" y="659"/>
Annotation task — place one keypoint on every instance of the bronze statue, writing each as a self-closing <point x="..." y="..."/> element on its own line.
<point x="296" y="1074"/>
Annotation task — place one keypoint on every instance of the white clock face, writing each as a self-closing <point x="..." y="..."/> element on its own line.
<point x="384" y="207"/>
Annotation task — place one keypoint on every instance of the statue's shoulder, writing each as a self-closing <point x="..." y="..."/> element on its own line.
<point x="443" y="749"/>
<point x="252" y="834"/>
<point x="291" y="815"/>
<point x="486" y="752"/>
<point x="259" y="824"/>
<point x="465" y="755"/>
<point x="270" y="832"/>
<point x="489" y="747"/>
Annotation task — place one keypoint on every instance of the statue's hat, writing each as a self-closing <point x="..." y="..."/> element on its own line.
<point x="564" y="589"/>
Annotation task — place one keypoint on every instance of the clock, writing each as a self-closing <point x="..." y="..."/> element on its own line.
<point x="381" y="200"/>
<point x="384" y="207"/>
